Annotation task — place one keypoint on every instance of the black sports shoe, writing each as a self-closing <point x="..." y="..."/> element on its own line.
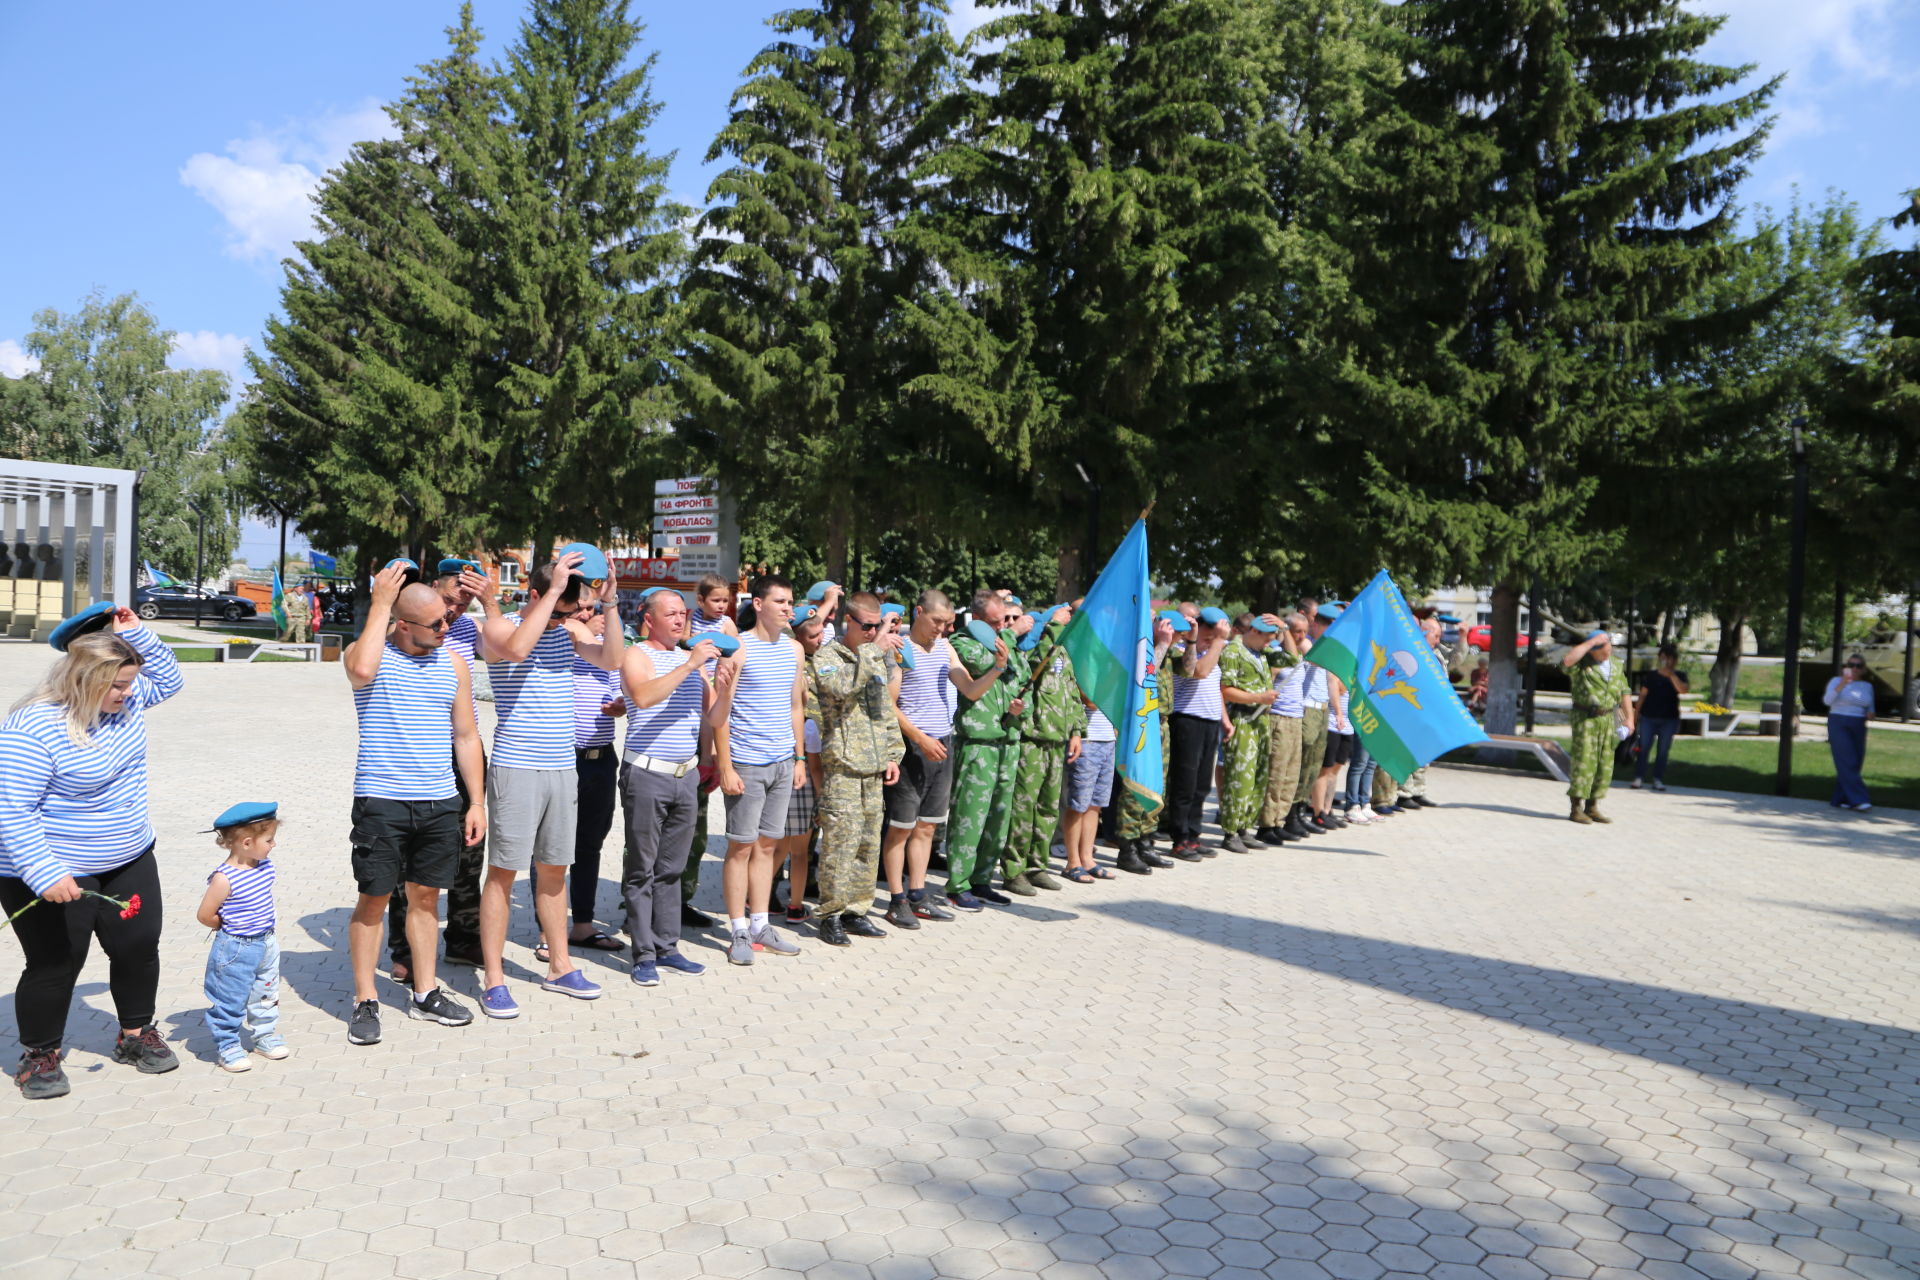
<point x="900" y="914"/>
<point x="1186" y="850"/>
<point x="694" y="918"/>
<point x="437" y="1007"/>
<point x="145" y="1050"/>
<point x="1234" y="844"/>
<point x="861" y="927"/>
<point x="987" y="893"/>
<point x="39" y="1075"/>
<point x="927" y="909"/>
<point x="364" y="1026"/>
<point x="469" y="956"/>
<point x="1154" y="859"/>
<point x="832" y="932"/>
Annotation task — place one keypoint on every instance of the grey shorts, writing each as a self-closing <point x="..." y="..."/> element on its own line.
<point x="760" y="812"/>
<point x="530" y="817"/>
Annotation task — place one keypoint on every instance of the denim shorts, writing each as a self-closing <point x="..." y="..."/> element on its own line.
<point x="760" y="811"/>
<point x="1090" y="778"/>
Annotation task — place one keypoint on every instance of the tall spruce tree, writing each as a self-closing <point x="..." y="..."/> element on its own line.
<point x="799" y="288"/>
<point x="368" y="422"/>
<point x="1096" y="217"/>
<point x="1881" y="411"/>
<point x="584" y="250"/>
<point x="1555" y="194"/>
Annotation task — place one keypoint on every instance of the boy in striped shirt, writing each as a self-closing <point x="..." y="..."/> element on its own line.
<point x="243" y="968"/>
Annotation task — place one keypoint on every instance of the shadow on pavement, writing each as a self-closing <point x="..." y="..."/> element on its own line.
<point x="1837" y="1068"/>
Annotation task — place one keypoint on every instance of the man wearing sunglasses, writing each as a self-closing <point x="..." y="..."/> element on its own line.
<point x="412" y="698"/>
<point x="532" y="785"/>
<point x="458" y="582"/>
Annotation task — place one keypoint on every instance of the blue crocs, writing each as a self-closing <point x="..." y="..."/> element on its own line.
<point x="572" y="983"/>
<point x="495" y="1002"/>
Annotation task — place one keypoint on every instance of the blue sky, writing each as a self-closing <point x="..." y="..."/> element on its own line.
<point x="168" y="149"/>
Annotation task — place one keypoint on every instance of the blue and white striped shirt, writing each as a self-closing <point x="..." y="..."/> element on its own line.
<point x="406" y="726"/>
<point x="923" y="696"/>
<point x="533" y="705"/>
<point x="1099" y="728"/>
<point x="1197" y="697"/>
<point x="463" y="637"/>
<point x="699" y="624"/>
<point x="669" y="729"/>
<point x="760" y="726"/>
<point x="592" y="689"/>
<point x="67" y="809"/>
<point x="1290" y="683"/>
<point x="248" y="910"/>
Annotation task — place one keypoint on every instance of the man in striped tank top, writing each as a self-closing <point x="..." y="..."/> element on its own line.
<point x="917" y="803"/>
<point x="712" y="614"/>
<point x="1199" y="718"/>
<point x="459" y="583"/>
<point x="667" y="697"/>
<point x="413" y="700"/>
<point x="532" y="786"/>
<point x="756" y="720"/>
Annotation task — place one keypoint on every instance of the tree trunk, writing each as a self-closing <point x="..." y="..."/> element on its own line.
<point x="1726" y="658"/>
<point x="1503" y="672"/>
<point x="1066" y="574"/>
<point x="837" y="523"/>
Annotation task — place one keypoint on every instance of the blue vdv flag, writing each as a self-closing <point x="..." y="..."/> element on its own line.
<point x="1402" y="702"/>
<point x="155" y="578"/>
<point x="322" y="562"/>
<point x="1111" y="643"/>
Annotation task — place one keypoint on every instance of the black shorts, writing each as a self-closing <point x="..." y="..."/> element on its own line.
<point x="1339" y="750"/>
<point x="398" y="842"/>
<point x="924" y="789"/>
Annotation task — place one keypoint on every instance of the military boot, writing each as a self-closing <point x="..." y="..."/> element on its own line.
<point x="1129" y="859"/>
<point x="1579" y="813"/>
<point x="1594" y="814"/>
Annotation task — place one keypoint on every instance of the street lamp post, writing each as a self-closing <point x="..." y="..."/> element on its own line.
<point x="1906" y="678"/>
<point x="199" y="563"/>
<point x="1796" y="583"/>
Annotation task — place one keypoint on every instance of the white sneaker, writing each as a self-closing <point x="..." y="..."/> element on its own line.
<point x="1862" y="808"/>
<point x="1636" y="785"/>
<point x="1359" y="817"/>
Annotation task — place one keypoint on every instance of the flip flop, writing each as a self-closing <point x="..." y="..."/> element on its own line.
<point x="592" y="942"/>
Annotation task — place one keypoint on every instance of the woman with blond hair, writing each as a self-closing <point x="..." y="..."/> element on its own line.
<point x="76" y="842"/>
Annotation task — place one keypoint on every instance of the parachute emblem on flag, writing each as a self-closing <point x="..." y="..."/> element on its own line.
<point x="1400" y="669"/>
<point x="1145" y="679"/>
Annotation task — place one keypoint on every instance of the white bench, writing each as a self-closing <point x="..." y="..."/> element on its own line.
<point x="309" y="652"/>
<point x="1548" y="752"/>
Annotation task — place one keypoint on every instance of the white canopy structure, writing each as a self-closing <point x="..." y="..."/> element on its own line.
<point x="66" y="541"/>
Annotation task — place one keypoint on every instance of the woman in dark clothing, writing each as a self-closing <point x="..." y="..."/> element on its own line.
<point x="1658" y="713"/>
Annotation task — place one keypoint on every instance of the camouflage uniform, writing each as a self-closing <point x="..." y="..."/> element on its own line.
<point x="1595" y="698"/>
<point x="859" y="738"/>
<point x="1138" y="817"/>
<point x="1243" y="669"/>
<point x="1055" y="712"/>
<point x="989" y="755"/>
<point x="1283" y="748"/>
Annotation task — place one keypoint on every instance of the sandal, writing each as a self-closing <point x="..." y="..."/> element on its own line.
<point x="1101" y="873"/>
<point x="592" y="942"/>
<point x="1079" y="875"/>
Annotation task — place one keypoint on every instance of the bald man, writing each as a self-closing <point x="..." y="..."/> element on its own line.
<point x="413" y="699"/>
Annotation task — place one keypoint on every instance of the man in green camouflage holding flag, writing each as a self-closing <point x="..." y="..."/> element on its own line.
<point x="1599" y="690"/>
<point x="1247" y="687"/>
<point x="988" y="744"/>
<point x="1140" y="817"/>
<point x="1051" y="726"/>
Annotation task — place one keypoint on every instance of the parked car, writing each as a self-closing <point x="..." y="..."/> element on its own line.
<point x="180" y="602"/>
<point x="1481" y="638"/>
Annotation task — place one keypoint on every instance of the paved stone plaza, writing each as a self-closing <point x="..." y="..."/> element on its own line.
<point x="1477" y="1041"/>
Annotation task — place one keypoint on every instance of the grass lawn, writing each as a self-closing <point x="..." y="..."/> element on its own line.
<point x="206" y="655"/>
<point x="1892" y="771"/>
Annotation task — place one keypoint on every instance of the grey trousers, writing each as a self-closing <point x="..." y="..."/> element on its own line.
<point x="659" y="811"/>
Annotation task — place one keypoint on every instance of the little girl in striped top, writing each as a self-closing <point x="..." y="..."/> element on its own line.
<point x="243" y="969"/>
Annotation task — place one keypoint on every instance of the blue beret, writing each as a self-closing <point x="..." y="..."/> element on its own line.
<point x="1596" y="635"/>
<point x="1041" y="621"/>
<point x="725" y="643"/>
<point x="241" y="814"/>
<point x="818" y="591"/>
<point x="454" y="564"/>
<point x="1449" y="618"/>
<point x="804" y="612"/>
<point x="1331" y="610"/>
<point x="593" y="562"/>
<point x="95" y="617"/>
<point x="1213" y="615"/>
<point x="893" y="610"/>
<point x="1261" y="625"/>
<point x="1013" y="599"/>
<point x="1175" y="619"/>
<point x="985" y="634"/>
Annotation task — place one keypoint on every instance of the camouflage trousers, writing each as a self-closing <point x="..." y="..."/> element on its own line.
<point x="1246" y="775"/>
<point x="1416" y="783"/>
<point x="1036" y="807"/>
<point x="1591" y="751"/>
<point x="982" y="808"/>
<point x="1283" y="769"/>
<point x="1385" y="789"/>
<point x="463" y="899"/>
<point x="1313" y="750"/>
<point x="852" y="807"/>
<point x="1140" y="817"/>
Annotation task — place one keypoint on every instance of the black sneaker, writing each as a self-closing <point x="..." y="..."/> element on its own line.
<point x="364" y="1027"/>
<point x="927" y="909"/>
<point x="39" y="1075"/>
<point x="145" y="1050"/>
<point x="694" y="918"/>
<point x="987" y="893"/>
<point x="437" y="1007"/>
<point x="861" y="927"/>
<point x="900" y="914"/>
<point x="469" y="956"/>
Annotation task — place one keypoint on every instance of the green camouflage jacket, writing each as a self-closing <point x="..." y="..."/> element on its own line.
<point x="1055" y="711"/>
<point x="1243" y="669"/>
<point x="1595" y="694"/>
<point x="859" y="732"/>
<point x="987" y="720"/>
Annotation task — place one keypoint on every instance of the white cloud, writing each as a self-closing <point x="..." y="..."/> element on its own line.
<point x="964" y="15"/>
<point x="14" y="360"/>
<point x="263" y="186"/>
<point x="1812" y="39"/>
<point x="205" y="349"/>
